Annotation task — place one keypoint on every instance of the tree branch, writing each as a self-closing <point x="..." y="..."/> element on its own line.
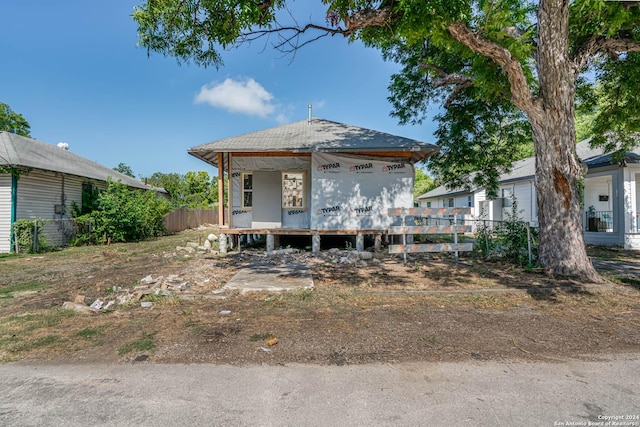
<point x="520" y="93"/>
<point x="598" y="44"/>
<point x="368" y="18"/>
<point x="459" y="80"/>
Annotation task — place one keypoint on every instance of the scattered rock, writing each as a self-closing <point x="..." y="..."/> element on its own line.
<point x="361" y="264"/>
<point x="80" y="308"/>
<point x="207" y="244"/>
<point x="271" y="341"/>
<point x="365" y="255"/>
<point x="192" y="245"/>
<point x="141" y="358"/>
<point x="146" y="304"/>
<point x="79" y="299"/>
<point x="224" y="312"/>
<point x="147" y="280"/>
<point x="212" y="238"/>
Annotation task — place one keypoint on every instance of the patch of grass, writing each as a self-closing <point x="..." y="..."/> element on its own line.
<point x="430" y="340"/>
<point x="196" y="328"/>
<point x="625" y="280"/>
<point x="9" y="290"/>
<point x="260" y="336"/>
<point x="88" y="333"/>
<point x="145" y="342"/>
<point x="303" y="295"/>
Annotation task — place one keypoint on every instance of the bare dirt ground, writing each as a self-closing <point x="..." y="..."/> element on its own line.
<point x="429" y="309"/>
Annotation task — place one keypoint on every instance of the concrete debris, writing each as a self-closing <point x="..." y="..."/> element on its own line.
<point x="146" y="304"/>
<point x="224" y="312"/>
<point x="80" y="308"/>
<point x="97" y="304"/>
<point x="159" y="286"/>
<point x="286" y="251"/>
<point x="212" y="238"/>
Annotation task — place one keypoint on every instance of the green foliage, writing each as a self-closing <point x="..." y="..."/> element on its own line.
<point x="143" y="343"/>
<point x="423" y="183"/>
<point x="24" y="231"/>
<point x="123" y="215"/>
<point x="192" y="190"/>
<point x="11" y="121"/>
<point x="508" y="239"/>
<point x="124" y="169"/>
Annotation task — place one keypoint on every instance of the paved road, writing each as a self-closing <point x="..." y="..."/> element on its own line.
<point x="420" y="394"/>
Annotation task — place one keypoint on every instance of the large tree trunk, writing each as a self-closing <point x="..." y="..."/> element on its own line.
<point x="558" y="170"/>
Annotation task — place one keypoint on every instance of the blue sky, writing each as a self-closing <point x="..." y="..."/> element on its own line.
<point x="73" y="70"/>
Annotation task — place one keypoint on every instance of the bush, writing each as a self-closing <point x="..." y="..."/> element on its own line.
<point x="508" y="239"/>
<point x="123" y="215"/>
<point x="24" y="230"/>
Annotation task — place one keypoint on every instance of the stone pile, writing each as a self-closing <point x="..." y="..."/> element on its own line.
<point x="160" y="286"/>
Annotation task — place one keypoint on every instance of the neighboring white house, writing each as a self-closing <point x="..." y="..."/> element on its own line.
<point x="611" y="197"/>
<point x="49" y="181"/>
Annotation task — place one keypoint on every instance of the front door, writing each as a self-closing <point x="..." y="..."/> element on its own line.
<point x="267" y="200"/>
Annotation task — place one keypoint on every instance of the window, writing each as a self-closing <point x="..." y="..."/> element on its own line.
<point x="247" y="189"/>
<point x="507" y="195"/>
<point x="293" y="190"/>
<point x="428" y="204"/>
<point x="470" y="201"/>
<point x="450" y="202"/>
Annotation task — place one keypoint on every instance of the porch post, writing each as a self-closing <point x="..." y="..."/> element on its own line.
<point x="230" y="174"/>
<point x="220" y="189"/>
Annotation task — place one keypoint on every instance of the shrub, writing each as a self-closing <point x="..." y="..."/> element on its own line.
<point x="123" y="215"/>
<point x="24" y="231"/>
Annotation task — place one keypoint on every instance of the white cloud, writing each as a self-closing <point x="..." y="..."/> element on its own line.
<point x="238" y="96"/>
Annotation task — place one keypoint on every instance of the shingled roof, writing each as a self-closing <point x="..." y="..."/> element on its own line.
<point x="16" y="151"/>
<point x="316" y="135"/>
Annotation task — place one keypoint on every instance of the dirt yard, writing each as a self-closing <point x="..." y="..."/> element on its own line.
<point x="380" y="310"/>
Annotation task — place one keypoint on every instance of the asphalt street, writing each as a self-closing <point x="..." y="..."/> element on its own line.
<point x="417" y="394"/>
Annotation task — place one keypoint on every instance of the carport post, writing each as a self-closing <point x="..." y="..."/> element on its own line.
<point x="359" y="242"/>
<point x="270" y="243"/>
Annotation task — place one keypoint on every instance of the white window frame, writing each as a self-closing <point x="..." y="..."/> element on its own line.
<point x="244" y="191"/>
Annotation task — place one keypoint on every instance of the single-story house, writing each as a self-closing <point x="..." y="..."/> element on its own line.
<point x="611" y="197"/>
<point x="313" y="177"/>
<point x="48" y="179"/>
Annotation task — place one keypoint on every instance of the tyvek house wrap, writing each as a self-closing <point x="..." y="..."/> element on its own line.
<point x="352" y="193"/>
<point x="291" y="218"/>
<point x="344" y="192"/>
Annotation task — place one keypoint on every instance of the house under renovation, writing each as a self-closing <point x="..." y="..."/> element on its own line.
<point x="313" y="177"/>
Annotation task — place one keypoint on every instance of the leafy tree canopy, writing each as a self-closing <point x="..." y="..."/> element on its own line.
<point x="124" y="169"/>
<point x="10" y="121"/>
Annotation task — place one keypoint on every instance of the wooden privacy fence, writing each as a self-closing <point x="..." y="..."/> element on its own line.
<point x="182" y="219"/>
<point x="438" y="213"/>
